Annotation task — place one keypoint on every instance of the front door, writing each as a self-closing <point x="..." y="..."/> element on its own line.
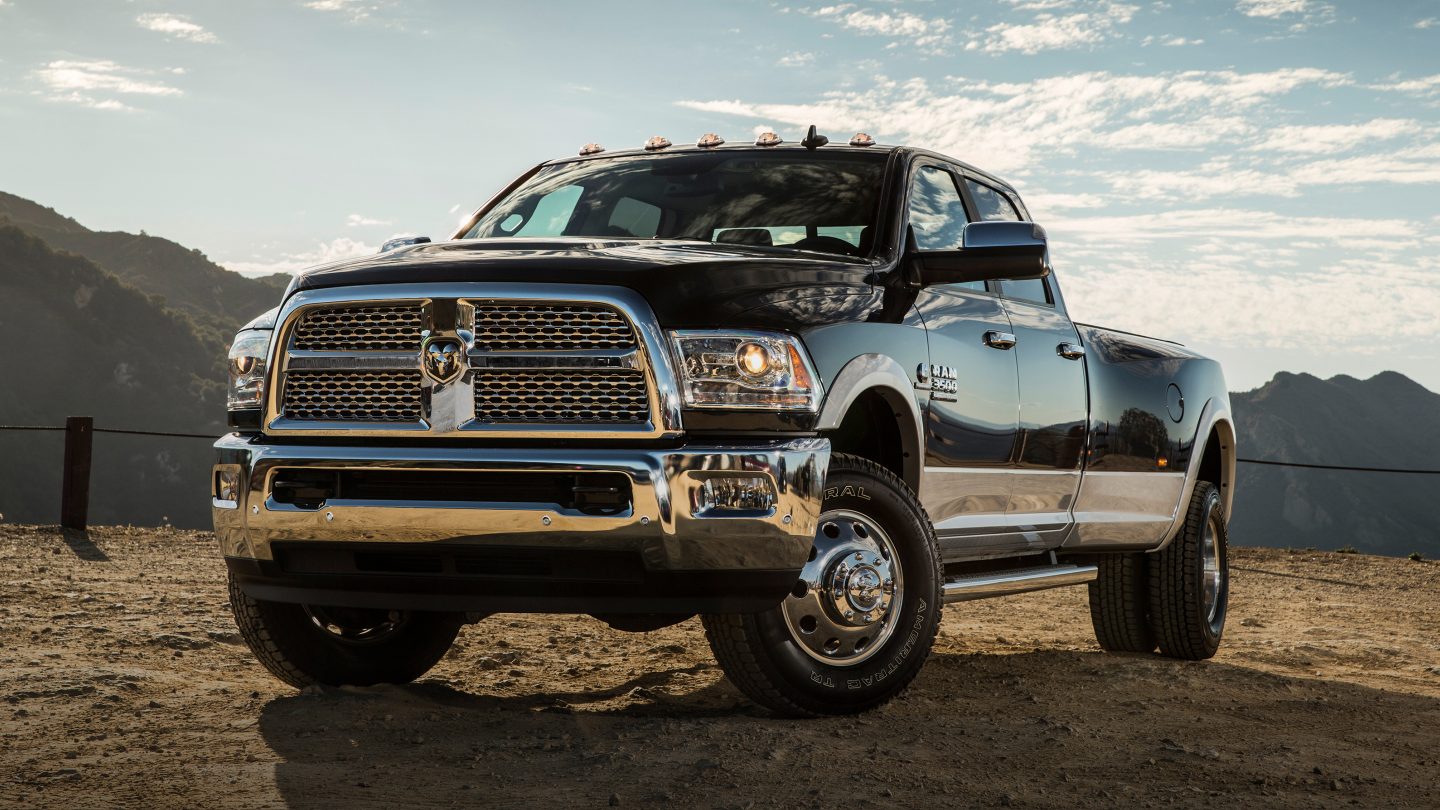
<point x="971" y="421"/>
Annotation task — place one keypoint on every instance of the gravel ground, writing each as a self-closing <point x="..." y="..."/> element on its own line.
<point x="123" y="683"/>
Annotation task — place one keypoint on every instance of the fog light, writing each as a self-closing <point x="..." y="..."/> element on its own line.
<point x="227" y="488"/>
<point x="751" y="493"/>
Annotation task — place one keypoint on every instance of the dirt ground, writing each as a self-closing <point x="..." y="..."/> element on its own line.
<point x="124" y="684"/>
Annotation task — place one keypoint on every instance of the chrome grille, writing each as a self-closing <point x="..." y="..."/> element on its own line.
<point x="504" y="327"/>
<point x="581" y="396"/>
<point x="382" y="328"/>
<point x="353" y="396"/>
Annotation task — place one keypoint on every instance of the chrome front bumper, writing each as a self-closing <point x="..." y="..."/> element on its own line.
<point x="661" y="527"/>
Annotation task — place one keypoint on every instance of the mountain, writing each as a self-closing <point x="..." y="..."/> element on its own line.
<point x="217" y="300"/>
<point x="79" y="341"/>
<point x="1388" y="421"/>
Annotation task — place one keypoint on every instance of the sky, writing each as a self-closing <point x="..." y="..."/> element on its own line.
<point x="1259" y="179"/>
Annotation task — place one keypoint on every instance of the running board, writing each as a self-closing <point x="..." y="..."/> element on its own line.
<point x="1019" y="580"/>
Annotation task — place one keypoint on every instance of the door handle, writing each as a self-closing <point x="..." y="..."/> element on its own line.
<point x="999" y="340"/>
<point x="1070" y="351"/>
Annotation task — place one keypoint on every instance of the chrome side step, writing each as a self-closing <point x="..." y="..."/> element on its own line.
<point x="1019" y="580"/>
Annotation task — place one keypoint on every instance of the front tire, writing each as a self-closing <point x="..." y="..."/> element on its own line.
<point x="305" y="645"/>
<point x="1190" y="581"/>
<point x="860" y="622"/>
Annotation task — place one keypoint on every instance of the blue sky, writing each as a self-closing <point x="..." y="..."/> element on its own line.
<point x="1257" y="178"/>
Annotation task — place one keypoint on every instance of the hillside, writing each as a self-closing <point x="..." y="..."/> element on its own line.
<point x="1386" y="421"/>
<point x="78" y="341"/>
<point x="218" y="300"/>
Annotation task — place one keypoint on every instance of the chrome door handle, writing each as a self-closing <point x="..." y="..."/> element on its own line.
<point x="999" y="340"/>
<point x="1070" y="351"/>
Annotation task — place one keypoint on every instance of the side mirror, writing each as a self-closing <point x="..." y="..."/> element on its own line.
<point x="988" y="250"/>
<point x="403" y="241"/>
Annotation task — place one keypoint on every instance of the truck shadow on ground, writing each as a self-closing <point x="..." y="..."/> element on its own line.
<point x="1042" y="728"/>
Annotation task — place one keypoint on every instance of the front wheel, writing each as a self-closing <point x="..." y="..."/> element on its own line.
<point x="304" y="645"/>
<point x="860" y="621"/>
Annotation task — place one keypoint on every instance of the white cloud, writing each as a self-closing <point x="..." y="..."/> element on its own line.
<point x="353" y="10"/>
<point x="1300" y="13"/>
<point x="1424" y="85"/>
<point x="1050" y="32"/>
<point x="798" y="59"/>
<point x="1428" y="22"/>
<point x="1332" y="138"/>
<point x="362" y="221"/>
<point x="99" y="84"/>
<point x="1272" y="8"/>
<point x="1169" y="41"/>
<point x="179" y="27"/>
<point x="1010" y="126"/>
<point x="324" y="253"/>
<point x="900" y="26"/>
<point x="1334" y="307"/>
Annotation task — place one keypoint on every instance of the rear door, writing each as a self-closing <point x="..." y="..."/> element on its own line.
<point x="1052" y="391"/>
<point x="970" y="423"/>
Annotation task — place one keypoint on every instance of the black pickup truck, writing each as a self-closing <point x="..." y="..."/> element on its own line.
<point x="811" y="392"/>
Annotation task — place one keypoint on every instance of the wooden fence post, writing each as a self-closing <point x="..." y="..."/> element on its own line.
<point x="75" y="493"/>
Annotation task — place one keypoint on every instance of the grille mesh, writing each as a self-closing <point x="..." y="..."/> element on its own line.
<point x="388" y="328"/>
<point x="353" y="396"/>
<point x="548" y="397"/>
<point x="549" y="327"/>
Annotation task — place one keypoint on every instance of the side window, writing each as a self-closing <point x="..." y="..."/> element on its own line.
<point x="552" y="213"/>
<point x="630" y="217"/>
<point x="1031" y="289"/>
<point x="991" y="204"/>
<point x="937" y="215"/>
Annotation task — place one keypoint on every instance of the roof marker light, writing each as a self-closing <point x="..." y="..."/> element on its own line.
<point x="708" y="140"/>
<point x="768" y="139"/>
<point x="657" y="143"/>
<point x="861" y="139"/>
<point x="591" y="149"/>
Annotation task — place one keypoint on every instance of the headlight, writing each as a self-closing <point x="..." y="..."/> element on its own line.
<point x="752" y="370"/>
<point x="247" y="370"/>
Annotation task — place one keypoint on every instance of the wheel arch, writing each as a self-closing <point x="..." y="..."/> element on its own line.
<point x="1215" y="463"/>
<point x="868" y="389"/>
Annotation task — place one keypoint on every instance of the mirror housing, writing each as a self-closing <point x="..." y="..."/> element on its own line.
<point x="988" y="250"/>
<point x="403" y="241"/>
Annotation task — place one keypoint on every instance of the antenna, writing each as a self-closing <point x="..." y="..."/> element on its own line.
<point x="813" y="139"/>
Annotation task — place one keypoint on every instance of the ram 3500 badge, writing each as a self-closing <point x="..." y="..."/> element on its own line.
<point x="810" y="392"/>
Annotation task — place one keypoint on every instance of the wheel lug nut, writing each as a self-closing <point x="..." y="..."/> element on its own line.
<point x="849" y="614"/>
<point x="869" y="617"/>
<point x="860" y="556"/>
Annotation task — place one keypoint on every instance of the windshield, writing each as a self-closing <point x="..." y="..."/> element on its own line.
<point x="801" y="200"/>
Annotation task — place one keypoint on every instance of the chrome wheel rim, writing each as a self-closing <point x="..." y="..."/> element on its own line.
<point x="848" y="599"/>
<point x="355" y="626"/>
<point x="1212" y="567"/>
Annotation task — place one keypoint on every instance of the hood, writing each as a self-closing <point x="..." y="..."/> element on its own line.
<point x="688" y="284"/>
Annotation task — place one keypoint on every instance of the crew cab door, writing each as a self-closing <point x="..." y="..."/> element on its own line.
<point x="971" y="420"/>
<point x="1054" y="404"/>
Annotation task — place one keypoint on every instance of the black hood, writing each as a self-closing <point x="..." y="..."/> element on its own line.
<point x="688" y="284"/>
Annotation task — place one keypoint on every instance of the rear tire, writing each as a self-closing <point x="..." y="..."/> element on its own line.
<point x="1190" y="581"/>
<point x="860" y="622"/>
<point x="1120" y="604"/>
<point x="305" y="645"/>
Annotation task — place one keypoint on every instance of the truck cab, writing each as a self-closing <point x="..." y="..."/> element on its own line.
<point x="811" y="392"/>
